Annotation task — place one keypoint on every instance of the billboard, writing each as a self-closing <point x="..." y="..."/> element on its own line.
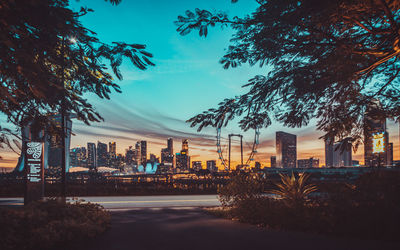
<point x="378" y="143"/>
<point x="34" y="171"/>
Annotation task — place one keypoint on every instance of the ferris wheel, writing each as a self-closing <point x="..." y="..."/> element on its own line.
<point x="222" y="148"/>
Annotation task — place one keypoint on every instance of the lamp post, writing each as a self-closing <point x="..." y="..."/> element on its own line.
<point x="63" y="124"/>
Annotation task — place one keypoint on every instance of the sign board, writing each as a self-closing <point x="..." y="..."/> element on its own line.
<point x="378" y="143"/>
<point x="34" y="171"/>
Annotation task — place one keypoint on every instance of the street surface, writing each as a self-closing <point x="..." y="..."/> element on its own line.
<point x="129" y="202"/>
<point x="178" y="222"/>
<point x="191" y="228"/>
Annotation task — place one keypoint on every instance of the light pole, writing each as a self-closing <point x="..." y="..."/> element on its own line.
<point x="63" y="125"/>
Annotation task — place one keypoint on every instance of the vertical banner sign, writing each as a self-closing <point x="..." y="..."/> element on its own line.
<point x="34" y="171"/>
<point x="378" y="143"/>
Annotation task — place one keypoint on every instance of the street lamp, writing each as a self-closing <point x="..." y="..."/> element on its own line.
<point x="72" y="40"/>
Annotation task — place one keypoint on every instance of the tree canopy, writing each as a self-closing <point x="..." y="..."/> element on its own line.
<point x="330" y="60"/>
<point x="48" y="59"/>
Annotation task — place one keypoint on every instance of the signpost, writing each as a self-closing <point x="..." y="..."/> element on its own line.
<point x="34" y="172"/>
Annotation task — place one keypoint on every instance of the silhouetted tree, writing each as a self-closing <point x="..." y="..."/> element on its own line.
<point x="48" y="59"/>
<point x="324" y="59"/>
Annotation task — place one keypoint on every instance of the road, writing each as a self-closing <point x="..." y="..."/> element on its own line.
<point x="129" y="202"/>
<point x="191" y="228"/>
<point x="177" y="222"/>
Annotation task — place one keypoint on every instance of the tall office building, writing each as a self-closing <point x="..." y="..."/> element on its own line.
<point x="130" y="156"/>
<point x="329" y="153"/>
<point x="342" y="155"/>
<point x="153" y="159"/>
<point x="167" y="154"/>
<point x="183" y="158"/>
<point x="185" y="145"/>
<point x="138" y="155"/>
<point x="170" y="146"/>
<point x="212" y="166"/>
<point x="112" y="148"/>
<point x="273" y="161"/>
<point x="390" y="154"/>
<point x="91" y="156"/>
<point x="101" y="154"/>
<point x="77" y="156"/>
<point x="286" y="150"/>
<point x="143" y="152"/>
<point x="196" y="165"/>
<point x="374" y="123"/>
<point x="308" y="163"/>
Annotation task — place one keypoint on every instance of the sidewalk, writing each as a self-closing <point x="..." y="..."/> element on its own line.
<point x="191" y="229"/>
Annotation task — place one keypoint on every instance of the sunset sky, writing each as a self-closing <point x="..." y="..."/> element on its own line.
<point x="186" y="80"/>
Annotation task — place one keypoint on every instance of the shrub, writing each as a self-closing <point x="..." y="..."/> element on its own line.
<point x="242" y="186"/>
<point x="294" y="191"/>
<point x="369" y="208"/>
<point x="48" y="224"/>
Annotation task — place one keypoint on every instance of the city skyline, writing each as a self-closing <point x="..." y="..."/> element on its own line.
<point x="186" y="80"/>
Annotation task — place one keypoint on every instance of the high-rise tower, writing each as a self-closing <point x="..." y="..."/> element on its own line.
<point x="143" y="152"/>
<point x="91" y="156"/>
<point x="374" y="123"/>
<point x="286" y="150"/>
<point x="112" y="148"/>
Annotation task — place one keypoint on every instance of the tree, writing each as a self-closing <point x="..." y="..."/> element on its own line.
<point x="48" y="60"/>
<point x="330" y="60"/>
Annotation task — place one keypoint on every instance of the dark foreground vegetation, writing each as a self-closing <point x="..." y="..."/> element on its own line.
<point x="51" y="225"/>
<point x="368" y="208"/>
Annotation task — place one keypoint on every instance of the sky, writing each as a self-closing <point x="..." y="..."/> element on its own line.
<point x="187" y="79"/>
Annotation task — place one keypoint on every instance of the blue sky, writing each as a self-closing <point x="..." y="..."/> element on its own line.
<point x="186" y="80"/>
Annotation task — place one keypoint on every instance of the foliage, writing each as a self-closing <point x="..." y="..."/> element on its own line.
<point x="241" y="186"/>
<point x="369" y="208"/>
<point x="48" y="224"/>
<point x="327" y="60"/>
<point x="294" y="191"/>
<point x="49" y="60"/>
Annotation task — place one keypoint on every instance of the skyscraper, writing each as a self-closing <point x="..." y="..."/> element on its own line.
<point x="342" y="154"/>
<point x="374" y="123"/>
<point x="286" y="150"/>
<point x="154" y="159"/>
<point x="308" y="163"/>
<point x="101" y="154"/>
<point x="183" y="158"/>
<point x="196" y="165"/>
<point x="137" y="156"/>
<point x="167" y="154"/>
<point x="77" y="156"/>
<point x="130" y="156"/>
<point x="390" y="154"/>
<point x="143" y="152"/>
<point x="328" y="153"/>
<point x="112" y="148"/>
<point x="170" y="146"/>
<point x="273" y="161"/>
<point x="212" y="166"/>
<point x="185" y="145"/>
<point x="91" y="156"/>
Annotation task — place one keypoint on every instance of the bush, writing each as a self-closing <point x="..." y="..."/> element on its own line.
<point x="48" y="224"/>
<point x="242" y="186"/>
<point x="369" y="208"/>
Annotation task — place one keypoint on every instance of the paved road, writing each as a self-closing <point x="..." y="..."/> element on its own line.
<point x="129" y="202"/>
<point x="191" y="228"/>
